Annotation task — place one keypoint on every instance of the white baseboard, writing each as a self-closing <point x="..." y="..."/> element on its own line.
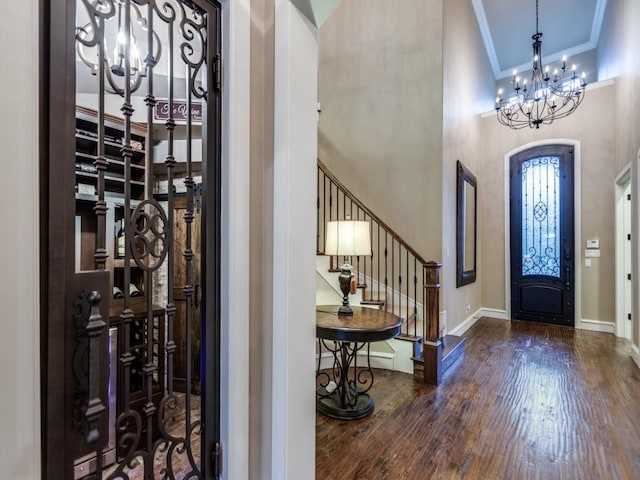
<point x="466" y="325"/>
<point x="596" y="326"/>
<point x="494" y="313"/>
<point x="471" y="320"/>
<point x="378" y="360"/>
<point x="635" y="354"/>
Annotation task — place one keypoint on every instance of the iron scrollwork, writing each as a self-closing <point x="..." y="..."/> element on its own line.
<point x="540" y="216"/>
<point x="156" y="440"/>
<point x="149" y="244"/>
<point x="86" y="363"/>
<point x="347" y="393"/>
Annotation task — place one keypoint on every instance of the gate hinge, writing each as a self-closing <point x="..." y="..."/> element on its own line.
<point x="628" y="276"/>
<point x="628" y="196"/>
<point x="217" y="71"/>
<point x="628" y="236"/>
<point x="216" y="457"/>
<point x="628" y="316"/>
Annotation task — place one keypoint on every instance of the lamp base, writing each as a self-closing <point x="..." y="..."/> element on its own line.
<point x="345" y="287"/>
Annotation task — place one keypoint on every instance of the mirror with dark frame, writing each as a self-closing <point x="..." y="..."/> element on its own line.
<point x="466" y="215"/>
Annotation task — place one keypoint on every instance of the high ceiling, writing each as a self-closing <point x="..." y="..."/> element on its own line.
<point x="568" y="26"/>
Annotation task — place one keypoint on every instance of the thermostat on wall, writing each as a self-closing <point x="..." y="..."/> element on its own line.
<point x="593" y="243"/>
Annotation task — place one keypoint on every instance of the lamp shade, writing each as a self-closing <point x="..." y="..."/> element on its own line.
<point x="347" y="237"/>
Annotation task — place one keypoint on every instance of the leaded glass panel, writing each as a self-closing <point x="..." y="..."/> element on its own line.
<point x="541" y="216"/>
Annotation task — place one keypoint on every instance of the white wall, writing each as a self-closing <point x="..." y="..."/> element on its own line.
<point x="19" y="280"/>
<point x="235" y="241"/>
<point x="294" y="229"/>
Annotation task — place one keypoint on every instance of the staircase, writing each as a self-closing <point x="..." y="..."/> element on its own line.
<point x="394" y="277"/>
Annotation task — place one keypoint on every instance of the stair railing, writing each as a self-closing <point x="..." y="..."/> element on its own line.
<point x="395" y="275"/>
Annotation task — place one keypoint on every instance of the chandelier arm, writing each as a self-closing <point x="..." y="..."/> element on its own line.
<point x="546" y="98"/>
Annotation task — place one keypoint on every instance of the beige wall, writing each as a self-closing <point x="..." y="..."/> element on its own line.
<point x="380" y="130"/>
<point x="593" y="126"/>
<point x="464" y="58"/>
<point x="618" y="57"/>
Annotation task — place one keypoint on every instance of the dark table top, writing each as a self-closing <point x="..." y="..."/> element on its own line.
<point x="365" y="325"/>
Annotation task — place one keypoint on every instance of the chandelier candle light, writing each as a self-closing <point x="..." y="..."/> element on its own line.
<point x="347" y="238"/>
<point x="92" y="51"/>
<point x="549" y="96"/>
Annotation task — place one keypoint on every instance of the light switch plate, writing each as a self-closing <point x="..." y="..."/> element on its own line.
<point x="587" y="262"/>
<point x="592" y="252"/>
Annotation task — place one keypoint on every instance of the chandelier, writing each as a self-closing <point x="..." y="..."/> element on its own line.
<point x="93" y="36"/>
<point x="548" y="97"/>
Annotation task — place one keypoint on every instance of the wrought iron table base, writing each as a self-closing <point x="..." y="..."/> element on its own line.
<point x="350" y="399"/>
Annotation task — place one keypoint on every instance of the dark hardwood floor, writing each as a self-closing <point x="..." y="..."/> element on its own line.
<point x="527" y="401"/>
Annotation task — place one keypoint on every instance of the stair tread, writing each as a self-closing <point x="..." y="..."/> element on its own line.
<point x="408" y="338"/>
<point x="365" y="301"/>
<point x="452" y="347"/>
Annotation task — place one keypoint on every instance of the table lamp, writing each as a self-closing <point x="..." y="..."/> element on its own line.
<point x="347" y="238"/>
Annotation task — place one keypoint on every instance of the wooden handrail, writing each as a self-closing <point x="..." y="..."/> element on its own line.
<point x="367" y="211"/>
<point x="384" y="267"/>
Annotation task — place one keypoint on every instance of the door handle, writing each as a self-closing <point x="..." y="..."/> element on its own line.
<point x="86" y="365"/>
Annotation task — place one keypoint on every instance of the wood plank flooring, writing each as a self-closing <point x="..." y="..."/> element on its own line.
<point x="527" y="401"/>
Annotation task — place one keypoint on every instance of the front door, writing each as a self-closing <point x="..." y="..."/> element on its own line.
<point x="542" y="235"/>
<point x="131" y="101"/>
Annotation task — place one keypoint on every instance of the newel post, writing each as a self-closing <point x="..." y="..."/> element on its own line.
<point x="432" y="348"/>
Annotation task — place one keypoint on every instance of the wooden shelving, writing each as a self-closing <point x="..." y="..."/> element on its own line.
<point x="86" y="195"/>
<point x="144" y="325"/>
<point x="87" y="149"/>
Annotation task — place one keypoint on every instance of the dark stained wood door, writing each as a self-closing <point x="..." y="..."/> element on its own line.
<point x="542" y="235"/>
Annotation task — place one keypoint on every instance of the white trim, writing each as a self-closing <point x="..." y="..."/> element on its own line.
<point x="598" y="18"/>
<point x="483" y="24"/>
<point x="486" y="36"/>
<point x="635" y="354"/>
<point x="625" y="175"/>
<point x="295" y="96"/>
<point x="234" y="415"/>
<point x="494" y="313"/>
<point x="466" y="325"/>
<point x="596" y="326"/>
<point x="473" y="318"/>
<point x="384" y="360"/>
<point x="621" y="183"/>
<point x="577" y="200"/>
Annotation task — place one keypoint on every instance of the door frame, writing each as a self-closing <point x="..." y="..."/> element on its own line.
<point x="622" y="182"/>
<point x="578" y="322"/>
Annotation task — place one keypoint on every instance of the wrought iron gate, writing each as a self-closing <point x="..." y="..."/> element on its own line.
<point x="132" y="92"/>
